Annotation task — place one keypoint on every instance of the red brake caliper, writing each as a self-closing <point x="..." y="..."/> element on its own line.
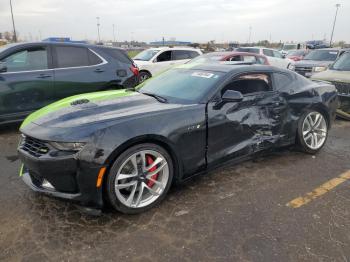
<point x="155" y="176"/>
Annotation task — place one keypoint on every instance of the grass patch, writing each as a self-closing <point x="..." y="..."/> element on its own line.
<point x="133" y="53"/>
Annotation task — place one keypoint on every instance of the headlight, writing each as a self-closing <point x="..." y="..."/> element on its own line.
<point x="319" y="68"/>
<point x="291" y="67"/>
<point x="67" y="146"/>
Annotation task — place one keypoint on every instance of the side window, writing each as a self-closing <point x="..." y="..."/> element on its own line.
<point x="249" y="59"/>
<point x="268" y="52"/>
<point x="234" y="58"/>
<point x="193" y="54"/>
<point x="282" y="81"/>
<point x="165" y="56"/>
<point x="250" y="84"/>
<point x="261" y="60"/>
<point x="71" y="56"/>
<point x="277" y="54"/>
<point x="93" y="58"/>
<point x="181" y="55"/>
<point x="27" y="60"/>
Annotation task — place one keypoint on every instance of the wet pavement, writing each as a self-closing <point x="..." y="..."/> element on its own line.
<point x="236" y="213"/>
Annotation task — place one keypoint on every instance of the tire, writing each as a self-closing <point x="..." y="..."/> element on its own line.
<point x="134" y="172"/>
<point x="143" y="76"/>
<point x="312" y="131"/>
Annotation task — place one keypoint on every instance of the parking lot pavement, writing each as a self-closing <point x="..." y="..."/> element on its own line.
<point x="236" y="213"/>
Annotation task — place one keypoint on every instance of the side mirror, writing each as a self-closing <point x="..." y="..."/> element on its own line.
<point x="232" y="96"/>
<point x="3" y="67"/>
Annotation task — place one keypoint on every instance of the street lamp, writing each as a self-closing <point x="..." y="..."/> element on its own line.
<point x="113" y="34"/>
<point x="13" y="24"/>
<point x="98" y="29"/>
<point x="335" y="19"/>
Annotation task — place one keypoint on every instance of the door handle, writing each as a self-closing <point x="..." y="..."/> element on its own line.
<point x="42" y="76"/>
<point x="98" y="70"/>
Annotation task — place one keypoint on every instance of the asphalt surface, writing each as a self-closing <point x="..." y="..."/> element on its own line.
<point x="236" y="213"/>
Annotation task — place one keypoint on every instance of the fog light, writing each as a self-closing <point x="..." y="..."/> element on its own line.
<point x="47" y="185"/>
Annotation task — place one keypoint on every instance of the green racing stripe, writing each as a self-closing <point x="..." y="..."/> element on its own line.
<point x="66" y="102"/>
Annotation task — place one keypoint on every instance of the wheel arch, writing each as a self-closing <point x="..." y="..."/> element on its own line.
<point x="146" y="71"/>
<point x="154" y="139"/>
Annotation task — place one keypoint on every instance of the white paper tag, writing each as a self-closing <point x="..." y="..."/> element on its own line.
<point x="202" y="74"/>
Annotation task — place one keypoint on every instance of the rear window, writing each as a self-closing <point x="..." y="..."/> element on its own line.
<point x="249" y="50"/>
<point x="117" y="54"/>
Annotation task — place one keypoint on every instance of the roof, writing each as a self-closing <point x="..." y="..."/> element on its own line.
<point x="170" y="48"/>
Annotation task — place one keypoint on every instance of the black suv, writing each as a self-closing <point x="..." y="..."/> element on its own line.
<point x="33" y="75"/>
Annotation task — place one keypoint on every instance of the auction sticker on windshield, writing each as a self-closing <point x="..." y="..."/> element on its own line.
<point x="203" y="74"/>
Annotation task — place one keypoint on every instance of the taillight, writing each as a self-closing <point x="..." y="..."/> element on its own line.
<point x="134" y="69"/>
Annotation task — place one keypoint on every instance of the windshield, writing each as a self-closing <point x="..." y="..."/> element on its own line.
<point x="343" y="63"/>
<point x="296" y="53"/>
<point x="249" y="50"/>
<point x="146" y="55"/>
<point x="181" y="85"/>
<point x="322" y="55"/>
<point x="5" y="47"/>
<point x="206" y="58"/>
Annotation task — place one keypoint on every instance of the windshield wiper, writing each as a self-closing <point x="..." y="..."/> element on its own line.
<point x="158" y="97"/>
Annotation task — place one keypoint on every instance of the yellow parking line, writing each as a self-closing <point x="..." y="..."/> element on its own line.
<point x="319" y="191"/>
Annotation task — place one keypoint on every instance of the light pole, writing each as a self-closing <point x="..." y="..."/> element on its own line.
<point x="335" y="19"/>
<point x="98" y="29"/>
<point x="13" y="24"/>
<point x="250" y="33"/>
<point x="113" y="34"/>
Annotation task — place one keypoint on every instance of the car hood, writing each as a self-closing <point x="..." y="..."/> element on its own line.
<point x="333" y="75"/>
<point x="311" y="63"/>
<point x="95" y="108"/>
<point x="141" y="62"/>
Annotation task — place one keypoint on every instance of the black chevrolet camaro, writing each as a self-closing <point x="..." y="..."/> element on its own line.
<point x="127" y="147"/>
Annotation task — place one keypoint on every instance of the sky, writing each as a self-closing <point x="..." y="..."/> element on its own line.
<point x="184" y="20"/>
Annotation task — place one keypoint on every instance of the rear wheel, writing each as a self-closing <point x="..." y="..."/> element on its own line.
<point x="312" y="131"/>
<point x="143" y="76"/>
<point x="140" y="178"/>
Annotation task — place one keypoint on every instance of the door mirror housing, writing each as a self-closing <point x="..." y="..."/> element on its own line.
<point x="3" y="67"/>
<point x="232" y="96"/>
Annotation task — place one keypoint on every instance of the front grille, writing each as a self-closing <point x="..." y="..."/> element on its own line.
<point x="302" y="69"/>
<point x="34" y="147"/>
<point x="343" y="88"/>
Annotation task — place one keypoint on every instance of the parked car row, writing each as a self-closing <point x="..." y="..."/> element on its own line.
<point x="33" y="75"/>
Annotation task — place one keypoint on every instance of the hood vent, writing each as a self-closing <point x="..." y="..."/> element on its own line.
<point x="79" y="102"/>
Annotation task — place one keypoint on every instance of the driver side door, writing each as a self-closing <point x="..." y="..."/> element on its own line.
<point x="237" y="129"/>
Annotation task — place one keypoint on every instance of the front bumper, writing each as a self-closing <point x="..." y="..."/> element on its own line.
<point x="64" y="177"/>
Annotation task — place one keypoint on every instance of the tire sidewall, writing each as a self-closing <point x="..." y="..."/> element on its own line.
<point x="110" y="182"/>
<point x="303" y="146"/>
<point x="144" y="73"/>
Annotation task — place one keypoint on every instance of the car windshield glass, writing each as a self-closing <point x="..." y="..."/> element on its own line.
<point x="296" y="53"/>
<point x="322" y="55"/>
<point x="343" y="63"/>
<point x="146" y="55"/>
<point x="249" y="50"/>
<point x="206" y="59"/>
<point x="5" y="47"/>
<point x="181" y="85"/>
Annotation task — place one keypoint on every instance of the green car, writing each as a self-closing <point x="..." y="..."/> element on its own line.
<point x="339" y="75"/>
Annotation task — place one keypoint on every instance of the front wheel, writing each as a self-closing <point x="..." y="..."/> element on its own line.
<point x="140" y="178"/>
<point x="312" y="131"/>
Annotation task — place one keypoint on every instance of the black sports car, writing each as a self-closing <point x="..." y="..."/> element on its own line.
<point x="128" y="147"/>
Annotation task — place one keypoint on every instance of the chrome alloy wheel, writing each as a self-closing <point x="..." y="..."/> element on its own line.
<point x="314" y="130"/>
<point x="141" y="179"/>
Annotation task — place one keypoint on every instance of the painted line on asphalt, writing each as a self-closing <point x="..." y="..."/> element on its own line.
<point x="319" y="191"/>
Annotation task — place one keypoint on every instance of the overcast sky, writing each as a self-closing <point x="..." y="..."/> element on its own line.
<point x="186" y="20"/>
